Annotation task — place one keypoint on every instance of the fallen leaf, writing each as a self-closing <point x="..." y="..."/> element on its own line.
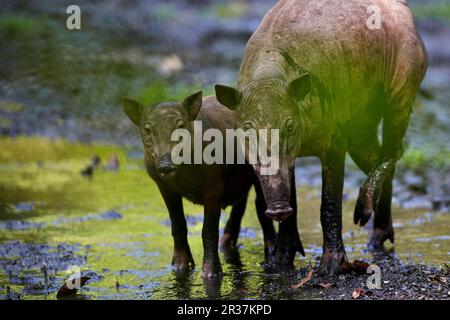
<point x="360" y="266"/>
<point x="346" y="267"/>
<point x="357" y="266"/>
<point x="66" y="290"/>
<point x="304" y="280"/>
<point x="357" y="293"/>
<point x="437" y="279"/>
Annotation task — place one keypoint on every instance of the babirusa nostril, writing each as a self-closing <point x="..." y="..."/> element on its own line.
<point x="166" y="169"/>
<point x="279" y="214"/>
<point x="165" y="165"/>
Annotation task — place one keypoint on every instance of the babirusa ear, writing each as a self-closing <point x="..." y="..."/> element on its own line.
<point x="133" y="109"/>
<point x="228" y="96"/>
<point x="300" y="87"/>
<point x="192" y="104"/>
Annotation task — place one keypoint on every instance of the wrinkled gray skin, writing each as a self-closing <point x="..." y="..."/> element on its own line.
<point x="314" y="70"/>
<point x="214" y="186"/>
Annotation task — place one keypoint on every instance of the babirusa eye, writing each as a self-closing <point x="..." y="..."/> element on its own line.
<point x="290" y="125"/>
<point x="147" y="128"/>
<point x="247" y="126"/>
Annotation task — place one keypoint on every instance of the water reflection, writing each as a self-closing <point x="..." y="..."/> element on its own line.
<point x="183" y="284"/>
<point x="213" y="287"/>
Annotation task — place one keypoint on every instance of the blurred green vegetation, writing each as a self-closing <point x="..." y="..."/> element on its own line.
<point x="14" y="26"/>
<point x="79" y="73"/>
<point x="432" y="157"/>
<point x="439" y="10"/>
<point x="436" y="10"/>
<point x="30" y="149"/>
<point x="230" y="10"/>
<point x="162" y="91"/>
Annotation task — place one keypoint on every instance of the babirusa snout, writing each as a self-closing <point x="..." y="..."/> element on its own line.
<point x="277" y="192"/>
<point x="165" y="166"/>
<point x="279" y="212"/>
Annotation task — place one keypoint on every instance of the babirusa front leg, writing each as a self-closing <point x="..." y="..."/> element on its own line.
<point x="331" y="209"/>
<point x="210" y="237"/>
<point x="182" y="256"/>
<point x="370" y="192"/>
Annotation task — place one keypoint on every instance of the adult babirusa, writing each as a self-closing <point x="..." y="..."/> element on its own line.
<point x="318" y="73"/>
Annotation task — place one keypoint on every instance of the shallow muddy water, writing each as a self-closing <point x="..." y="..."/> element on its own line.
<point x="115" y="227"/>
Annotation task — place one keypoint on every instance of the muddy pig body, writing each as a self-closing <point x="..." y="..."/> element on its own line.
<point x="215" y="186"/>
<point x="323" y="75"/>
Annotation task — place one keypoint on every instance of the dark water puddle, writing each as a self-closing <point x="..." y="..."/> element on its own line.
<point x="38" y="269"/>
<point x="18" y="225"/>
<point x="428" y="239"/>
<point x="247" y="233"/>
<point x="313" y="249"/>
<point x="25" y="206"/>
<point x="30" y="256"/>
<point x="190" y="220"/>
<point x="20" y="210"/>
<point x="414" y="202"/>
<point x="426" y="217"/>
<point x="109" y="215"/>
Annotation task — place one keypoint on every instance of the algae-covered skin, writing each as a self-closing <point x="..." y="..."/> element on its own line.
<point x="216" y="185"/>
<point x="318" y="71"/>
